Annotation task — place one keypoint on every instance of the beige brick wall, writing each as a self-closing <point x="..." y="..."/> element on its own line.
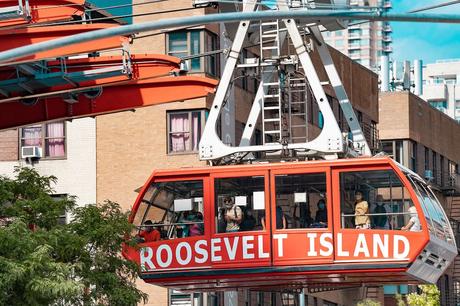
<point x="406" y="116"/>
<point x="9" y="145"/>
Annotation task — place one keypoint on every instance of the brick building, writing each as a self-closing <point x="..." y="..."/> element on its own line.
<point x="427" y="141"/>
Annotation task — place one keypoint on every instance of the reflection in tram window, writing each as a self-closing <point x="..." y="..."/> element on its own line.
<point x="240" y="203"/>
<point x="301" y="198"/>
<point x="434" y="215"/>
<point x="387" y="198"/>
<point x="174" y="209"/>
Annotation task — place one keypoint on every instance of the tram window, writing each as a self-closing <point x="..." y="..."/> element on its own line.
<point x="175" y="209"/>
<point x="434" y="215"/>
<point x="239" y="203"/>
<point x="301" y="201"/>
<point x="384" y="203"/>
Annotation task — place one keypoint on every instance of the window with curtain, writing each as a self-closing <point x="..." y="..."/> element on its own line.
<point x="184" y="130"/>
<point x="50" y="137"/>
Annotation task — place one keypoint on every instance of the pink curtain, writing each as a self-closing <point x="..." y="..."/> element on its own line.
<point x="32" y="136"/>
<point x="196" y="129"/>
<point x="180" y="133"/>
<point x="55" y="142"/>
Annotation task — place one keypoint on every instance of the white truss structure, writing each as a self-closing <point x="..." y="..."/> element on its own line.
<point x="275" y="72"/>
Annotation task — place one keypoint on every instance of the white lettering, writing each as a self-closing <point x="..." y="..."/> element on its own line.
<point x="201" y="251"/>
<point x="247" y="246"/>
<point x="262" y="254"/>
<point x="340" y="251"/>
<point x="378" y="244"/>
<point x="168" y="250"/>
<point x="215" y="248"/>
<point x="361" y="246"/>
<point x="146" y="259"/>
<point x="231" y="250"/>
<point x="279" y="239"/>
<point x="188" y="250"/>
<point x="327" y="244"/>
<point x="311" y="251"/>
<point x="396" y="253"/>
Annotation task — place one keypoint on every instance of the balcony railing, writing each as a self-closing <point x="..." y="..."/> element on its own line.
<point x="371" y="133"/>
<point x="449" y="183"/>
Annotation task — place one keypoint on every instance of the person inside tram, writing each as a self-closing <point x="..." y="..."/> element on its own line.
<point x="197" y="229"/>
<point x="233" y="215"/>
<point x="149" y="233"/>
<point x="321" y="214"/>
<point x="362" y="220"/>
<point x="281" y="222"/>
<point x="414" y="222"/>
<point x="380" y="220"/>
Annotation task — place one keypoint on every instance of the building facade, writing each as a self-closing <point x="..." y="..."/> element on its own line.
<point x="428" y="142"/>
<point x="365" y="42"/>
<point x="441" y="86"/>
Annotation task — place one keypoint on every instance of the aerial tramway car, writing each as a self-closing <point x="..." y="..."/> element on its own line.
<point x="290" y="224"/>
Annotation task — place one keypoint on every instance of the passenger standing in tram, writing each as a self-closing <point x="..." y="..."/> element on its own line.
<point x="149" y="233"/>
<point x="197" y="229"/>
<point x="414" y="222"/>
<point x="321" y="214"/>
<point x="380" y="219"/>
<point x="362" y="220"/>
<point x="233" y="215"/>
<point x="281" y="222"/>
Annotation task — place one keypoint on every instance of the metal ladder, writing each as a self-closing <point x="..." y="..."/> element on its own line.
<point x="298" y="109"/>
<point x="272" y="97"/>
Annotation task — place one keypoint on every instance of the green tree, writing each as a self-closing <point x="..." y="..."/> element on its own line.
<point x="43" y="262"/>
<point x="429" y="296"/>
<point x="368" y="302"/>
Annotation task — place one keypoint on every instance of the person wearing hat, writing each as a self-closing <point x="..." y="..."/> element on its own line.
<point x="233" y="215"/>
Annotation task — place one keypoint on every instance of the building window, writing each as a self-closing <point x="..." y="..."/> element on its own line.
<point x="427" y="159"/>
<point x="399" y="152"/>
<point x="413" y="156"/>
<point x="49" y="137"/>
<point x="190" y="45"/>
<point x="184" y="130"/>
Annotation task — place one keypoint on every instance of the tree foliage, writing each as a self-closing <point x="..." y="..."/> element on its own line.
<point x="368" y="302"/>
<point x="43" y="262"/>
<point x="429" y="296"/>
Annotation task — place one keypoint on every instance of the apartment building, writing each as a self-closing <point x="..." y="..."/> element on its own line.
<point x="365" y="42"/>
<point x="427" y="141"/>
<point x="68" y="151"/>
<point x="441" y="86"/>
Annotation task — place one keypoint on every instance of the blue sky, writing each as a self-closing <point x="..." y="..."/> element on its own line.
<point x="426" y="41"/>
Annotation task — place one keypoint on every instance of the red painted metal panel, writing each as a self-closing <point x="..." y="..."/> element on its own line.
<point x="43" y="11"/>
<point x="15" y="38"/>
<point x="113" y="99"/>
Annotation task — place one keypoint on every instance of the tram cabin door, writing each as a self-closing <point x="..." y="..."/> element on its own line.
<point x="301" y="216"/>
<point x="240" y="235"/>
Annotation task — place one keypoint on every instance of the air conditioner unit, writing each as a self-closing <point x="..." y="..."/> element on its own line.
<point x="203" y="3"/>
<point x="429" y="175"/>
<point x="31" y="152"/>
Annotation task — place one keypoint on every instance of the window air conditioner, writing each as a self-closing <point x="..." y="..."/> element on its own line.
<point x="429" y="175"/>
<point x="31" y="152"/>
<point x="204" y="3"/>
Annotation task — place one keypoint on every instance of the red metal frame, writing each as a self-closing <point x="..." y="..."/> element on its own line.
<point x="15" y="38"/>
<point x="46" y="11"/>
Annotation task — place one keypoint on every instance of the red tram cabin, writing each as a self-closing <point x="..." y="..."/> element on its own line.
<point x="291" y="225"/>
